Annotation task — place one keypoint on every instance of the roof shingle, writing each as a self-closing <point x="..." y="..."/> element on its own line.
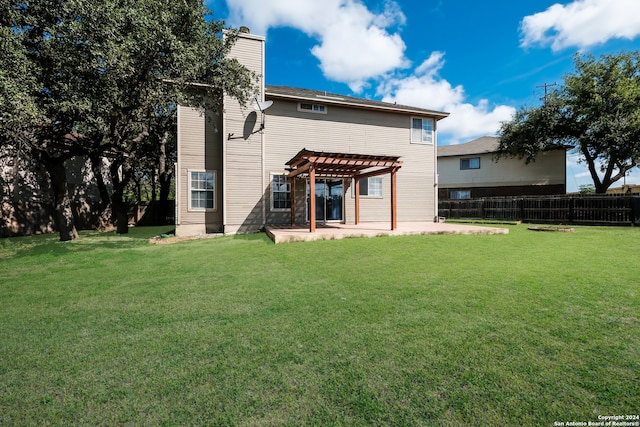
<point x="483" y="145"/>
<point x="286" y="92"/>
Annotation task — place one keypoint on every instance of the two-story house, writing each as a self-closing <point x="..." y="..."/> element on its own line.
<point x="471" y="170"/>
<point x="304" y="157"/>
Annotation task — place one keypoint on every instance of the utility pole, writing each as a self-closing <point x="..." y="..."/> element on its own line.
<point x="545" y="86"/>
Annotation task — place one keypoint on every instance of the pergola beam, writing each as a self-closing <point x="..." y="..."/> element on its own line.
<point x="377" y="172"/>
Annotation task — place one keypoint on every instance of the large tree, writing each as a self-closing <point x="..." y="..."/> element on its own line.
<point x="99" y="74"/>
<point x="596" y="112"/>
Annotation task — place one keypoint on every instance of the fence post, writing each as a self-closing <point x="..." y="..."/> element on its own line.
<point x="521" y="209"/>
<point x="571" y="210"/>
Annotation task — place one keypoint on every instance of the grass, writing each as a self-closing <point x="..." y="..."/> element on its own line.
<point x="519" y="329"/>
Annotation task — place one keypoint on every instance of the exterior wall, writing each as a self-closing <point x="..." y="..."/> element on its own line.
<point x="243" y="151"/>
<point x="26" y="202"/>
<point x="350" y="130"/>
<point x="626" y="189"/>
<point x="547" y="175"/>
<point x="199" y="149"/>
<point x="228" y="147"/>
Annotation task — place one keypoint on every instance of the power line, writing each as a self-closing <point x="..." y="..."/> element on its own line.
<point x="545" y="86"/>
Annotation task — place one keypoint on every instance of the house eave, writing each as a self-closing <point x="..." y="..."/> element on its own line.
<point x="480" y="153"/>
<point x="336" y="100"/>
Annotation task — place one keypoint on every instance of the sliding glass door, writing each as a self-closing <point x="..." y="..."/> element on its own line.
<point x="329" y="199"/>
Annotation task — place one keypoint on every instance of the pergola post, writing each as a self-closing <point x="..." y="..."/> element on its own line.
<point x="394" y="213"/>
<point x="312" y="199"/>
<point x="356" y="189"/>
<point x="292" y="182"/>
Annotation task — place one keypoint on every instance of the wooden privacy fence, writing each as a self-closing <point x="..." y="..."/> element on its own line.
<point x="587" y="210"/>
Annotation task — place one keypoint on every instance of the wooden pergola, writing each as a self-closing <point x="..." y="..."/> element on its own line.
<point x="319" y="164"/>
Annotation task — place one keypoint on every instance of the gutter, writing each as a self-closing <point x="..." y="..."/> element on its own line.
<point x="333" y="100"/>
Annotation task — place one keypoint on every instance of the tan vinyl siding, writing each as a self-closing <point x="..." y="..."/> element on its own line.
<point x="358" y="131"/>
<point x="199" y="149"/>
<point x="244" y="187"/>
<point x="248" y="51"/>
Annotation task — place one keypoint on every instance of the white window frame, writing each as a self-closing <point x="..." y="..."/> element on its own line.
<point x="468" y="165"/>
<point x="288" y="182"/>
<point x="423" y="132"/>
<point x="190" y="173"/>
<point x="315" y="108"/>
<point x="378" y="187"/>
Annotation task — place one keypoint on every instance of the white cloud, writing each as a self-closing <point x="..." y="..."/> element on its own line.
<point x="427" y="90"/>
<point x="582" y="23"/>
<point x="355" y="44"/>
<point x="356" y="47"/>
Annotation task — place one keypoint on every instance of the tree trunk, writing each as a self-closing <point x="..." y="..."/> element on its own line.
<point x="121" y="173"/>
<point x="120" y="214"/>
<point x="96" y="163"/>
<point x="164" y="177"/>
<point x="154" y="191"/>
<point x="65" y="223"/>
<point x="105" y="222"/>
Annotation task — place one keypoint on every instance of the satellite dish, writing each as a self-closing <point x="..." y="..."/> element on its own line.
<point x="261" y="106"/>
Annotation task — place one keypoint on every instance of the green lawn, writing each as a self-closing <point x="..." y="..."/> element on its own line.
<point x="528" y="328"/>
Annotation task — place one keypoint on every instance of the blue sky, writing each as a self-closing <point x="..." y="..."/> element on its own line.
<point x="479" y="61"/>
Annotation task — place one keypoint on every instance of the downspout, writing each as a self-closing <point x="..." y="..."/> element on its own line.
<point x="435" y="170"/>
<point x="176" y="210"/>
<point x="262" y="140"/>
<point x="223" y="119"/>
<point x="177" y="205"/>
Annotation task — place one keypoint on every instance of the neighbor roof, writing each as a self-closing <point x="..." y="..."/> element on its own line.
<point x="483" y="145"/>
<point x="291" y="93"/>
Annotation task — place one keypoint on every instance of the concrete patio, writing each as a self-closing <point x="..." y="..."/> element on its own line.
<point x="288" y="234"/>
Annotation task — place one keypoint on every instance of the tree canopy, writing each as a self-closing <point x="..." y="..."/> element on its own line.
<point x="596" y="112"/>
<point x="91" y="78"/>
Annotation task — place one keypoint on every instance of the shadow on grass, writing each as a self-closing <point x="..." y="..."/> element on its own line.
<point x="254" y="237"/>
<point x="49" y="244"/>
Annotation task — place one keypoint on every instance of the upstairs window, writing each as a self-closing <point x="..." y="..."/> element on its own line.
<point x="421" y="131"/>
<point x="470" y="163"/>
<point x="312" y="108"/>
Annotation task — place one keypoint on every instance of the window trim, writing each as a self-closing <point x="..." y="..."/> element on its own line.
<point x="371" y="196"/>
<point x="433" y="130"/>
<point x="322" y="109"/>
<point x="271" y="191"/>
<point x="468" y="161"/>
<point x="190" y="207"/>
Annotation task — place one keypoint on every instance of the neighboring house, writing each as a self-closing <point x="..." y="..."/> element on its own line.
<point x="233" y="168"/>
<point x="470" y="170"/>
<point x="625" y="189"/>
<point x="26" y="204"/>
